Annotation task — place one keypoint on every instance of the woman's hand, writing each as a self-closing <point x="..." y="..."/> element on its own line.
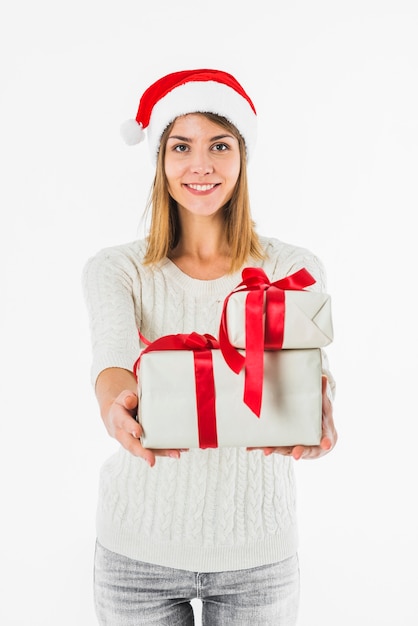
<point x="121" y="424"/>
<point x="328" y="439"/>
<point x="118" y="401"/>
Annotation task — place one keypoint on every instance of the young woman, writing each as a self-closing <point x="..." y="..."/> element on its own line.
<point x="173" y="525"/>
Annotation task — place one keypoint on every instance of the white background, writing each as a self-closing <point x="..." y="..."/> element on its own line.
<point x="335" y="170"/>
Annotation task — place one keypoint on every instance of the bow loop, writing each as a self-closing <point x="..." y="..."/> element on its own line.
<point x="295" y="282"/>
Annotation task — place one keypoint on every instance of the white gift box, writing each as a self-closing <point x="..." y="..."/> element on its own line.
<point x="307" y="319"/>
<point x="259" y="316"/>
<point x="291" y="411"/>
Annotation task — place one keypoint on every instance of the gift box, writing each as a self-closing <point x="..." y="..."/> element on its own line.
<point x="189" y="397"/>
<point x="260" y="315"/>
<point x="289" y="316"/>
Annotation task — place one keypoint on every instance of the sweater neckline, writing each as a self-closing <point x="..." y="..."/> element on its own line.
<point x="197" y="285"/>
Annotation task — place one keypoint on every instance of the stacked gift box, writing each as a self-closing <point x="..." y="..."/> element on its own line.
<point x="257" y="384"/>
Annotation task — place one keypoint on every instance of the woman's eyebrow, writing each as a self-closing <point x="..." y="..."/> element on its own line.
<point x="189" y="140"/>
<point x="225" y="136"/>
<point x="179" y="138"/>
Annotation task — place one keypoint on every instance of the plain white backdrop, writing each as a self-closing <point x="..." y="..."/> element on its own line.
<point x="335" y="170"/>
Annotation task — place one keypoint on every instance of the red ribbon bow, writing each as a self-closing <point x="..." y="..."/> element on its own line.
<point x="259" y="337"/>
<point x="202" y="346"/>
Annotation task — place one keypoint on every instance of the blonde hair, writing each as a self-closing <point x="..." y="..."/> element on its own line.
<point x="165" y="232"/>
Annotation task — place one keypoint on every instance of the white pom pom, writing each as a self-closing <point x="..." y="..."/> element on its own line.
<point x="132" y="132"/>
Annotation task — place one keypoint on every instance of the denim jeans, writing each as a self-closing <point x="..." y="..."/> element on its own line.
<point x="134" y="593"/>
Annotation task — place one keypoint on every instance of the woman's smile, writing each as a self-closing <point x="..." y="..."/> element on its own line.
<point x="196" y="188"/>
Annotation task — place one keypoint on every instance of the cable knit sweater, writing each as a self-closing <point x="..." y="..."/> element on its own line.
<point x="211" y="510"/>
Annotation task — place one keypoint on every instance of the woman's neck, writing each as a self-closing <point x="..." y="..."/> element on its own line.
<point x="202" y="251"/>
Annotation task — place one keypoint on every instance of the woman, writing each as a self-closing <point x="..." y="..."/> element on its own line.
<point x="174" y="525"/>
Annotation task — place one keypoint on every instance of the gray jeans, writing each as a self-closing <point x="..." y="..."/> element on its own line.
<point x="133" y="593"/>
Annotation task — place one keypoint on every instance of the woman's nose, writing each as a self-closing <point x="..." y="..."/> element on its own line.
<point x="201" y="164"/>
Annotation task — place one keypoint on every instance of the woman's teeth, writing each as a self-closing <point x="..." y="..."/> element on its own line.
<point x="201" y="187"/>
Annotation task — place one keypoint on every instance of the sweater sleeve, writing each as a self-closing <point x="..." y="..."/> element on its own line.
<point x="108" y="282"/>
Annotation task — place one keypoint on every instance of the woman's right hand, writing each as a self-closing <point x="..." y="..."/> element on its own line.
<point x="121" y="424"/>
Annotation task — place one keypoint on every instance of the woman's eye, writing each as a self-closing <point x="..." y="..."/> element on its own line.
<point x="220" y="147"/>
<point x="180" y="148"/>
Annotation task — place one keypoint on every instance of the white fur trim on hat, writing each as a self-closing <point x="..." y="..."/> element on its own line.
<point x="202" y="97"/>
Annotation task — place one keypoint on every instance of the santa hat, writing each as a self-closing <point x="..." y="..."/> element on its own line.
<point x="191" y="91"/>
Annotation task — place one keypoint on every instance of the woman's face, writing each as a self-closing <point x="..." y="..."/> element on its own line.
<point x="202" y="164"/>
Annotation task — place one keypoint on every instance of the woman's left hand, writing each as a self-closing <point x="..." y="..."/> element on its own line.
<point x="328" y="439"/>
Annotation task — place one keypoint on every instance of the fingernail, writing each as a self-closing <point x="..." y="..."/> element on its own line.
<point x="174" y="454"/>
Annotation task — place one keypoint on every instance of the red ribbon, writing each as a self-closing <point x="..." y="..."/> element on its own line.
<point x="259" y="336"/>
<point x="202" y="346"/>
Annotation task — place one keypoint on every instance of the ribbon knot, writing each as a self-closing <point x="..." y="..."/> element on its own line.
<point x="194" y="341"/>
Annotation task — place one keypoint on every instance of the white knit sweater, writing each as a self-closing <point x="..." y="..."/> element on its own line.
<point x="211" y="510"/>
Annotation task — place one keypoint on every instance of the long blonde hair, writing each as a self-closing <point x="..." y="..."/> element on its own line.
<point x="165" y="231"/>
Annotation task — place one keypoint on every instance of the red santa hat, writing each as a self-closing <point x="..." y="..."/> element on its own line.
<point x="191" y="91"/>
